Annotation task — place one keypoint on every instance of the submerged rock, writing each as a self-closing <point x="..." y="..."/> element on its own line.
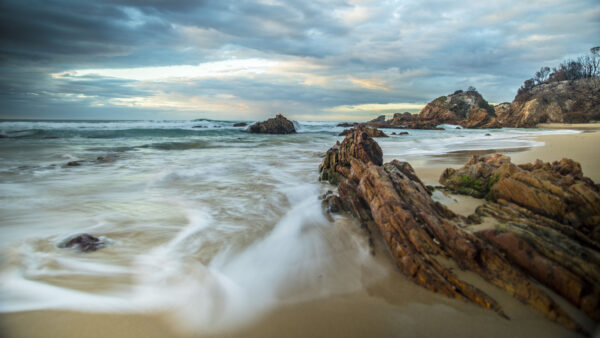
<point x="240" y="124"/>
<point x="84" y="242"/>
<point x="346" y="124"/>
<point x="391" y="198"/>
<point x="74" y="163"/>
<point x="277" y="125"/>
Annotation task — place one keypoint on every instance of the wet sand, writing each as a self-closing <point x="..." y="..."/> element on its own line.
<point x="390" y="307"/>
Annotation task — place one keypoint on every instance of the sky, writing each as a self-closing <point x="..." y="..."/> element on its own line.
<point x="337" y="60"/>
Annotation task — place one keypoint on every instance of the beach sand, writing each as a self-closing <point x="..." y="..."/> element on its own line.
<point x="391" y="307"/>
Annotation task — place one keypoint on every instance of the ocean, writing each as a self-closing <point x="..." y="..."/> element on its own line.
<point x="203" y="220"/>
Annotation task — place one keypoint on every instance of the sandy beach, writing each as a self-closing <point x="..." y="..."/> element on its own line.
<point x="582" y="147"/>
<point x="393" y="306"/>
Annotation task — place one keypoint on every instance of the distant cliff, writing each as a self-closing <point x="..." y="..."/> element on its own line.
<point x="576" y="101"/>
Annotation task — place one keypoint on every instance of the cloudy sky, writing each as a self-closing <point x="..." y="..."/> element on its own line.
<point x="248" y="59"/>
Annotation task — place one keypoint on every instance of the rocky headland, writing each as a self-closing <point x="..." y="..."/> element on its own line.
<point x="540" y="223"/>
<point x="568" y="101"/>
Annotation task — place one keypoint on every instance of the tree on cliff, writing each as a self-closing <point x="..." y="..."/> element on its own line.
<point x="587" y="66"/>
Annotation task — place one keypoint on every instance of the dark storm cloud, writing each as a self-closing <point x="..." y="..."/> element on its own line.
<point x="346" y="52"/>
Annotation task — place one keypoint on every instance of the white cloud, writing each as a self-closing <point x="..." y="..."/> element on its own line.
<point x="376" y="107"/>
<point x="218" y="69"/>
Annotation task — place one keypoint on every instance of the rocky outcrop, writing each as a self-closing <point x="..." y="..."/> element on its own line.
<point x="467" y="108"/>
<point x="357" y="145"/>
<point x="479" y="118"/>
<point x="502" y="111"/>
<point x="548" y="221"/>
<point x="555" y="190"/>
<point x="277" y="125"/>
<point x="373" y="132"/>
<point x="575" y="101"/>
<point x="455" y="107"/>
<point x="379" y="119"/>
<point x="404" y="120"/>
<point x="84" y="242"/>
<point x="422" y="234"/>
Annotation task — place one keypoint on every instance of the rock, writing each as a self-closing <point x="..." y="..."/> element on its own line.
<point x="394" y="133"/>
<point x="380" y="118"/>
<point x="240" y="124"/>
<point x="373" y="132"/>
<point x="502" y="111"/>
<point x="455" y="107"/>
<point x="563" y="102"/>
<point x="199" y="127"/>
<point x="458" y="128"/>
<point x="402" y="118"/>
<point x="477" y="176"/>
<point x="403" y="133"/>
<point x="479" y="118"/>
<point x="84" y="242"/>
<point x="346" y="124"/>
<point x="333" y="204"/>
<point x="357" y="145"/>
<point x="487" y="134"/>
<point x="391" y="199"/>
<point x="555" y="190"/>
<point x="74" y="163"/>
<point x="107" y="158"/>
<point x="277" y="125"/>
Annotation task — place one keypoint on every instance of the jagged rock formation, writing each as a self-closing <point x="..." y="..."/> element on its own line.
<point x="467" y="108"/>
<point x="479" y="118"/>
<point x="404" y="120"/>
<point x="379" y="119"/>
<point x="565" y="101"/>
<point x="277" y="125"/>
<point x="455" y="107"/>
<point x="373" y="132"/>
<point x="548" y="221"/>
<point x="502" y="111"/>
<point x="418" y="231"/>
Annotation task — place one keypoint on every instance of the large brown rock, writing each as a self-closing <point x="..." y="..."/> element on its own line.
<point x="548" y="221"/>
<point x="277" y="125"/>
<point x="455" y="107"/>
<point x="420" y="232"/>
<point x="502" y="111"/>
<point x="556" y="190"/>
<point x="563" y="102"/>
<point x="358" y="145"/>
<point x="479" y="118"/>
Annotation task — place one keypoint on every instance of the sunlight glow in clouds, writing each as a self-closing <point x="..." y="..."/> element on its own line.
<point x="376" y="107"/>
<point x="218" y="69"/>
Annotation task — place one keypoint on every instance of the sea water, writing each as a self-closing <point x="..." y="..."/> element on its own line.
<point x="203" y="220"/>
